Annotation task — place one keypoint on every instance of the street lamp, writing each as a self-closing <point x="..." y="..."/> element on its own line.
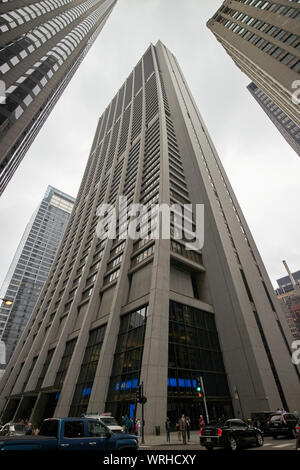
<point x="7" y="302"/>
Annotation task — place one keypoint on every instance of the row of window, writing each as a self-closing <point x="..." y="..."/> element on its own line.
<point x="133" y="85"/>
<point x="19" y="16"/>
<point x="279" y="53"/>
<point x="274" y="7"/>
<point x="142" y="256"/>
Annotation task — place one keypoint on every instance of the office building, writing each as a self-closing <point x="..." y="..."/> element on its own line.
<point x="31" y="265"/>
<point x="288" y="293"/>
<point x="42" y="44"/>
<point x="118" y="311"/>
<point x="262" y="37"/>
<point x="287" y="128"/>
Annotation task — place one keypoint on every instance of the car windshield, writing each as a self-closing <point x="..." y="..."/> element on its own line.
<point x="109" y="421"/>
<point x="275" y="418"/>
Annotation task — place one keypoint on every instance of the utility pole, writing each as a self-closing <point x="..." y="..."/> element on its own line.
<point x="140" y="398"/>
<point x="204" y="399"/>
<point x="143" y="437"/>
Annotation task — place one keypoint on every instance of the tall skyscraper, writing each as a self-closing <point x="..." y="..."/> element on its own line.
<point x="42" y="44"/>
<point x="287" y="128"/>
<point x="118" y="311"/>
<point x="262" y="37"/>
<point x="31" y="265"/>
<point x="288" y="293"/>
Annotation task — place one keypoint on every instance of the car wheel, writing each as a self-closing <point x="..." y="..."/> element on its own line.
<point x="232" y="443"/>
<point x="274" y="437"/>
<point x="259" y="440"/>
<point x="293" y="434"/>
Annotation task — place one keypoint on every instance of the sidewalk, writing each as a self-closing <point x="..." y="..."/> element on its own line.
<point x="161" y="440"/>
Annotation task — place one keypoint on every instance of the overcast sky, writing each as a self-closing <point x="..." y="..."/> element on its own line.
<point x="262" y="168"/>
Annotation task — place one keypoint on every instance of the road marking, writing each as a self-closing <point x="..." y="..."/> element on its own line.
<point x="283" y="445"/>
<point x="268" y="444"/>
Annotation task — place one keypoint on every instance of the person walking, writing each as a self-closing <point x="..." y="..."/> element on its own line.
<point x="188" y="428"/>
<point x="182" y="428"/>
<point x="127" y="424"/>
<point x="29" y="430"/>
<point x="201" y="422"/>
<point x="168" y="429"/>
<point x="178" y="430"/>
<point x="139" y="428"/>
<point x="131" y="426"/>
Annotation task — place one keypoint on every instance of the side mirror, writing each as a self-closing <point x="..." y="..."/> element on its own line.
<point x="108" y="434"/>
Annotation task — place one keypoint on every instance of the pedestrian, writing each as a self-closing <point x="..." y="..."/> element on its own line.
<point x="178" y="430"/>
<point x="201" y="422"/>
<point x="138" y="428"/>
<point x="131" y="426"/>
<point x="188" y="428"/>
<point x="123" y="423"/>
<point x="29" y="430"/>
<point x="168" y="429"/>
<point x="127" y="424"/>
<point x="182" y="428"/>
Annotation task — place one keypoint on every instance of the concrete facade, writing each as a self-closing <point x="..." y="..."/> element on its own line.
<point x="262" y="37"/>
<point x="287" y="128"/>
<point x="117" y="312"/>
<point x="42" y="45"/>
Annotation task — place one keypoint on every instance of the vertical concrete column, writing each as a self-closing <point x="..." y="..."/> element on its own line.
<point x="154" y="372"/>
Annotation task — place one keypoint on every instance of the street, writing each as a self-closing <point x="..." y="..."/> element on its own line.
<point x="158" y="443"/>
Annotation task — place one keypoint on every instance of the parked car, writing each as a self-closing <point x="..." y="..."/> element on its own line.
<point x="65" y="434"/>
<point x="283" y="424"/>
<point x="298" y="436"/>
<point x="13" y="429"/>
<point x="232" y="434"/>
<point x="260" y="419"/>
<point x="108" y="420"/>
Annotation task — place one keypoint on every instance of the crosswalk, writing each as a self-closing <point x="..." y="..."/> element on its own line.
<point x="279" y="446"/>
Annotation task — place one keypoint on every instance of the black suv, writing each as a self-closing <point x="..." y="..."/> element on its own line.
<point x="283" y="425"/>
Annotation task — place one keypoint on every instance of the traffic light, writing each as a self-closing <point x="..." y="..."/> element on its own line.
<point x="139" y="394"/>
<point x="199" y="387"/>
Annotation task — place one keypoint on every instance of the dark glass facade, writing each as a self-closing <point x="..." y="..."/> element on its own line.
<point x="87" y="372"/>
<point x="44" y="369"/>
<point x="194" y="351"/>
<point x="65" y="362"/>
<point x="127" y="363"/>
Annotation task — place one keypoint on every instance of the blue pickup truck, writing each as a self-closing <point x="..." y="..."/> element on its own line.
<point x="65" y="434"/>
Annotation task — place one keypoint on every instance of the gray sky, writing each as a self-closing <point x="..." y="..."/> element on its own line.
<point x="262" y="168"/>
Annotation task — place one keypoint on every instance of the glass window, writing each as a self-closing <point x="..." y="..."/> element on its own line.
<point x="277" y="52"/>
<point x="287" y="58"/>
<point x="74" y="429"/>
<point x="291" y="38"/>
<point x="267" y="47"/>
<point x="296" y="67"/>
<point x="259" y="42"/>
<point x="96" y="429"/>
<point x="49" y="428"/>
